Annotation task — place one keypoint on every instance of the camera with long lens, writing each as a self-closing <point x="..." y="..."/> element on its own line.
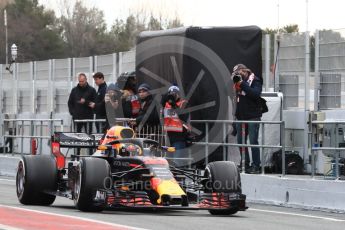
<point x="236" y="78"/>
<point x="171" y="99"/>
<point x="115" y="97"/>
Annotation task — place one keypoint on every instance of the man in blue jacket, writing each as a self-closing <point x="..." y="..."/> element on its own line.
<point x="248" y="89"/>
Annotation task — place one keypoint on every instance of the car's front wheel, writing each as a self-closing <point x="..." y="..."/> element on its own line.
<point x="223" y="177"/>
<point x="92" y="174"/>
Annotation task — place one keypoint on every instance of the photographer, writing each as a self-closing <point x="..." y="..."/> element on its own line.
<point x="175" y="123"/>
<point x="248" y="89"/>
<point x="112" y="101"/>
<point x="130" y="102"/>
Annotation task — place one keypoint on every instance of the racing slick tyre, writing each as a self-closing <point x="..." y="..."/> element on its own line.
<point x="93" y="174"/>
<point x="223" y="176"/>
<point x="36" y="175"/>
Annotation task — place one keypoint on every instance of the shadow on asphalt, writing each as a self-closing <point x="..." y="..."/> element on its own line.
<point x="157" y="212"/>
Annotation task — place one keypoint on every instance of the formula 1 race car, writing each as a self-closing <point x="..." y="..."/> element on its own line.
<point x="125" y="172"/>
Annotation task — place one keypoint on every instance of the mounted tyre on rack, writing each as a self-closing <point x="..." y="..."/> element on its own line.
<point x="36" y="177"/>
<point x="92" y="174"/>
<point x="223" y="177"/>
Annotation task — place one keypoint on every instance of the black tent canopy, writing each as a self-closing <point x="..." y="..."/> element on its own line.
<point x="199" y="60"/>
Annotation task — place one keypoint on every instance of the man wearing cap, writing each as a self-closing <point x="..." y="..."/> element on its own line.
<point x="145" y="118"/>
<point x="248" y="89"/>
<point x="175" y="123"/>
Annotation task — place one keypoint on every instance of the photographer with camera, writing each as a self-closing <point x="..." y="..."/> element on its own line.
<point x="248" y="89"/>
<point x="176" y="124"/>
<point x="112" y="101"/>
<point x="127" y="83"/>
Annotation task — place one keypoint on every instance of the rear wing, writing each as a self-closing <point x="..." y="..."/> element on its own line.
<point x="81" y="140"/>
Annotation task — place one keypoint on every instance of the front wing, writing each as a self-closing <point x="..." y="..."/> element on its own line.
<point x="140" y="200"/>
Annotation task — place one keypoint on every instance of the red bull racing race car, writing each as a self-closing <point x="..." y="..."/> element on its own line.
<point x="125" y="172"/>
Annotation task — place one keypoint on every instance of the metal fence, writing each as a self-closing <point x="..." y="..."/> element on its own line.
<point x="155" y="132"/>
<point x="331" y="143"/>
<point x="330" y="66"/>
<point x="225" y="143"/>
<point x="25" y="130"/>
<point x="291" y="72"/>
<point x="21" y="133"/>
<point x="309" y="68"/>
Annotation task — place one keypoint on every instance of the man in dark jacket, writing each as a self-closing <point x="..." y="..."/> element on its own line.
<point x="79" y="103"/>
<point x="146" y="118"/>
<point x="248" y="89"/>
<point x="99" y="105"/>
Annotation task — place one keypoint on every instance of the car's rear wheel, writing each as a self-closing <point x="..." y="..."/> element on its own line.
<point x="92" y="174"/>
<point x="36" y="176"/>
<point x="223" y="176"/>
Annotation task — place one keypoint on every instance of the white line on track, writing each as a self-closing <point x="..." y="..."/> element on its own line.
<point x="297" y="214"/>
<point x="75" y="217"/>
